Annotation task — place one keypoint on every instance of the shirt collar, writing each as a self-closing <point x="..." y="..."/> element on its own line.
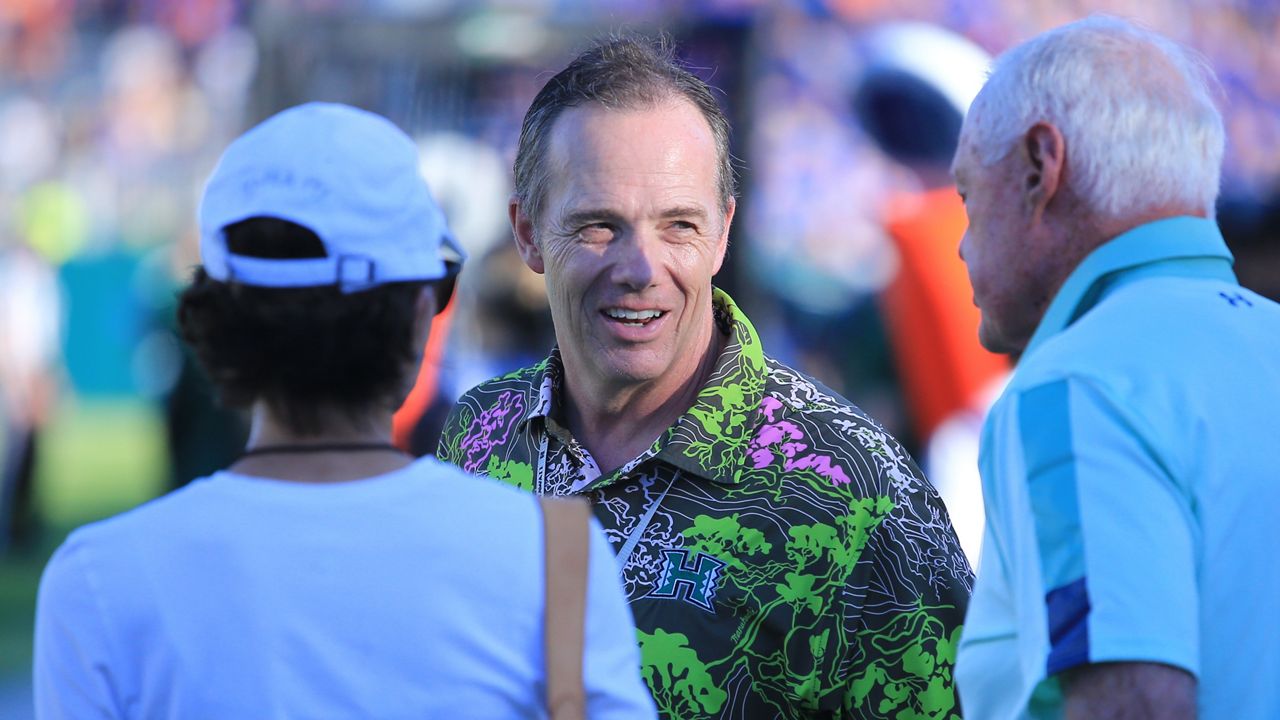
<point x="544" y="388"/>
<point x="709" y="439"/>
<point x="1185" y="246"/>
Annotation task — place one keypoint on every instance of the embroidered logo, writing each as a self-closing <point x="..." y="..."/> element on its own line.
<point x="695" y="582"/>
<point x="1235" y="299"/>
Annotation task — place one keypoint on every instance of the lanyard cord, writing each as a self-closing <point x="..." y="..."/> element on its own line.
<point x="633" y="539"/>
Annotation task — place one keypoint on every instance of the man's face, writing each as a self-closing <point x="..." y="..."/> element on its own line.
<point x="1001" y="248"/>
<point x="631" y="234"/>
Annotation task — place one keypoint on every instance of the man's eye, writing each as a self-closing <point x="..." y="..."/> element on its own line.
<point x="597" y="232"/>
<point x="682" y="229"/>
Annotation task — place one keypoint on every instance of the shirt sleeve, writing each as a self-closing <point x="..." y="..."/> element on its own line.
<point x="1113" y="532"/>
<point x="451" y="435"/>
<point x="611" y="656"/>
<point x="910" y="602"/>
<point x="72" y="674"/>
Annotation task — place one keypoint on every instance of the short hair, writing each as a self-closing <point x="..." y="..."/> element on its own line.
<point x="622" y="72"/>
<point x="301" y="350"/>
<point x="1135" y="108"/>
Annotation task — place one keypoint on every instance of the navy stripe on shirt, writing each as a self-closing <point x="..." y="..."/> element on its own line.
<point x="1068" y="611"/>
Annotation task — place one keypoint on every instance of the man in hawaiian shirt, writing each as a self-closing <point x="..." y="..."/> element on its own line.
<point x="782" y="555"/>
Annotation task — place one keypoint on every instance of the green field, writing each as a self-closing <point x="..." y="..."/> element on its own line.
<point x="95" y="459"/>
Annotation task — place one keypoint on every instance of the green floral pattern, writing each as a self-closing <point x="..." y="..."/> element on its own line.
<point x="835" y="584"/>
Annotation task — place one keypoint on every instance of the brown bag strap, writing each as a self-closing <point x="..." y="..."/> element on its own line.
<point x="567" y="543"/>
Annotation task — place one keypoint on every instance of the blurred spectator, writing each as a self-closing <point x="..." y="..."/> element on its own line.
<point x="31" y="307"/>
<point x="911" y="98"/>
<point x="1252" y="231"/>
<point x="30" y="335"/>
<point x="834" y="201"/>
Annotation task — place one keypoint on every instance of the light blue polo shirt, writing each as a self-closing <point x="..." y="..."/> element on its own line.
<point x="1131" y="472"/>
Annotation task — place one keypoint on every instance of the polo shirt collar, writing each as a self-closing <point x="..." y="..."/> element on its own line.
<point x="543" y="390"/>
<point x="1185" y="246"/>
<point x="710" y="438"/>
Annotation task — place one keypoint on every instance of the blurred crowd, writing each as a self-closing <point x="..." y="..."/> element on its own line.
<point x="113" y="111"/>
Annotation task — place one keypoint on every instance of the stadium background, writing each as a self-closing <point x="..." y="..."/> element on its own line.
<point x="112" y="113"/>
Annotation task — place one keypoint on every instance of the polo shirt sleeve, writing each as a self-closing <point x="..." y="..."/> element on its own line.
<point x="72" y="674"/>
<point x="1113" y="531"/>
<point x="451" y="435"/>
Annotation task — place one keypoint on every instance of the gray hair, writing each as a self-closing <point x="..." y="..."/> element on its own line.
<point x="1135" y="108"/>
<point x="622" y="72"/>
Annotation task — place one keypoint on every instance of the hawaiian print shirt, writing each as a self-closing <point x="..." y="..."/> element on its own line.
<point x="782" y="555"/>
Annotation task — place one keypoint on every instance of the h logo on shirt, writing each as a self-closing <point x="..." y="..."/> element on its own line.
<point x="695" y="582"/>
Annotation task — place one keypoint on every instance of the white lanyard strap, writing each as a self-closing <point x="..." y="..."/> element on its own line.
<point x="633" y="539"/>
<point x="628" y="547"/>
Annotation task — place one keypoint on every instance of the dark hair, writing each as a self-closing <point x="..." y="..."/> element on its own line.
<point x="907" y="117"/>
<point x="304" y="351"/>
<point x="622" y="72"/>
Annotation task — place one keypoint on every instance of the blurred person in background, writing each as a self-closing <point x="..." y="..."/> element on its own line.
<point x="1128" y="468"/>
<point x="32" y="311"/>
<point x="911" y="99"/>
<point x="30" y="350"/>
<point x="325" y="573"/>
<point x="783" y="556"/>
<point x="506" y="325"/>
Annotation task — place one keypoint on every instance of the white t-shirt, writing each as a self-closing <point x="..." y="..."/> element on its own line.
<point x="415" y="594"/>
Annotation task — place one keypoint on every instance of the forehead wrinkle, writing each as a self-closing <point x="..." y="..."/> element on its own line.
<point x="603" y="190"/>
<point x="691" y="136"/>
<point x="592" y="169"/>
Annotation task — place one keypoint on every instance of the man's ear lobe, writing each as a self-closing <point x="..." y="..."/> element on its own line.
<point x="523" y="231"/>
<point x="1045" y="153"/>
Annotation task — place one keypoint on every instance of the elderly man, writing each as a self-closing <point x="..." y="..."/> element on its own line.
<point x="782" y="555"/>
<point x="1127" y="568"/>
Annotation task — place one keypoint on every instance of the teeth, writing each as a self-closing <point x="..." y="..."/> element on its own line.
<point x="620" y="314"/>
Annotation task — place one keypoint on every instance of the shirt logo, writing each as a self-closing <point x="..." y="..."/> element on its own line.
<point x="694" y="582"/>
<point x="1235" y="299"/>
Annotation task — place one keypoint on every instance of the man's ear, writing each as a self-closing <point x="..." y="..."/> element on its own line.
<point x="722" y="245"/>
<point x="522" y="229"/>
<point x="1045" y="152"/>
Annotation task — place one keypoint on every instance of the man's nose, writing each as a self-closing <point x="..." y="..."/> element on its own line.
<point x="635" y="259"/>
<point x="964" y="241"/>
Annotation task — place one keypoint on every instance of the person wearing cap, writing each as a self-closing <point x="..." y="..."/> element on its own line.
<point x="1128" y="468"/>
<point x="325" y="573"/>
<point x="910" y="100"/>
<point x="783" y="556"/>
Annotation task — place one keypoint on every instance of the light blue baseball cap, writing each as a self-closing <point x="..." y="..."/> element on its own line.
<point x="348" y="175"/>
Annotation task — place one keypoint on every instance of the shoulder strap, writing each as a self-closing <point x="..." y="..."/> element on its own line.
<point x="567" y="545"/>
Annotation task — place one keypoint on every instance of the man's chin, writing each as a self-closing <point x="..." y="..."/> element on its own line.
<point x="998" y="342"/>
<point x="629" y="374"/>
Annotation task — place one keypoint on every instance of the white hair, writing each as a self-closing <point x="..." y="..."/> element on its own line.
<point x="1135" y="109"/>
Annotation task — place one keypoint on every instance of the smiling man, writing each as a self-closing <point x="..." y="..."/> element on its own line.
<point x="782" y="555"/>
<point x="1128" y="469"/>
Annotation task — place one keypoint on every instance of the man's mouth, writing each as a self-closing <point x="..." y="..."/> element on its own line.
<point x="634" y="318"/>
